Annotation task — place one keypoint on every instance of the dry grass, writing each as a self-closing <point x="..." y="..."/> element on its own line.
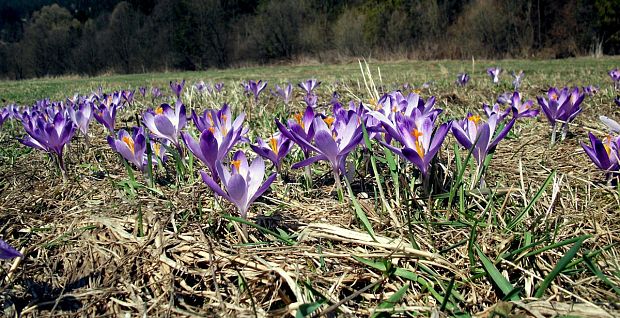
<point x="84" y="257"/>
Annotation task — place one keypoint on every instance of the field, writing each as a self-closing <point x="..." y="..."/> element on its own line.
<point x="537" y="238"/>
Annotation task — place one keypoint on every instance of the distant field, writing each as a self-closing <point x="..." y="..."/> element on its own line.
<point x="580" y="71"/>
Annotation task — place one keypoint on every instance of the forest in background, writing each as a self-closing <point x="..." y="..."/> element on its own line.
<point x="89" y="37"/>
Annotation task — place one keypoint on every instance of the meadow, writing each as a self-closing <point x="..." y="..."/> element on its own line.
<point x="371" y="199"/>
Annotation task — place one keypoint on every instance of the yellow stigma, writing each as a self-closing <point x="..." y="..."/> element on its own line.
<point x="474" y="118"/>
<point x="418" y="145"/>
<point x="417" y="91"/>
<point x="211" y="129"/>
<point x="273" y="143"/>
<point x="223" y="117"/>
<point x="607" y="144"/>
<point x="236" y="164"/>
<point x="329" y="121"/>
<point x="210" y="118"/>
<point x="159" y="110"/>
<point x="157" y="149"/>
<point x="129" y="143"/>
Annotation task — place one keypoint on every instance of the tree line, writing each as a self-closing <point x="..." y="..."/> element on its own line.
<point x="88" y="37"/>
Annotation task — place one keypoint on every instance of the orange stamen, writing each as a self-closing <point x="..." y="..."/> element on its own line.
<point x="129" y="143"/>
<point x="418" y="145"/>
<point x="274" y="145"/>
<point x="159" y="110"/>
<point x="211" y="129"/>
<point x="607" y="144"/>
<point x="236" y="164"/>
<point x="298" y="119"/>
<point x="329" y="121"/>
<point x="474" y="118"/>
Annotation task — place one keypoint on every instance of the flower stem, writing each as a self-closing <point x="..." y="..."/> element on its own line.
<point x="338" y="185"/>
<point x="553" y="132"/>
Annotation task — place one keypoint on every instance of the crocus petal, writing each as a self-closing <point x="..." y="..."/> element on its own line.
<point x="237" y="190"/>
<point x="8" y="252"/>
<point x="263" y="188"/>
<point x="214" y="186"/>
<point x="308" y="161"/>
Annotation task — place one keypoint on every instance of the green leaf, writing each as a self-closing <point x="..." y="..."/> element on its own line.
<point x="594" y="269"/>
<point x="391" y="301"/>
<point x="285" y="240"/>
<point x="504" y="285"/>
<point x="559" y="267"/>
<point x="361" y="215"/>
<point x="519" y="218"/>
<point x="307" y="309"/>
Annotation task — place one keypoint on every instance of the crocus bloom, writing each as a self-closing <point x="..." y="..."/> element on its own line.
<point x="333" y="141"/>
<point x="275" y="149"/>
<point x="309" y="85"/>
<point x="524" y="109"/>
<point x="419" y="143"/>
<point x="106" y="116"/>
<point x="615" y="76"/>
<point x="218" y="87"/>
<point x="156" y="92"/>
<point x="590" y="90"/>
<point x="166" y="122"/>
<point x="128" y="96"/>
<point x="501" y="114"/>
<point x="286" y="93"/>
<point x="302" y="124"/>
<point x="494" y="73"/>
<point x="177" y="87"/>
<point x="142" y="91"/>
<point x="462" y="79"/>
<point x="201" y="87"/>
<point x="208" y="149"/>
<point x="4" y="115"/>
<point x="221" y="123"/>
<point x="602" y="153"/>
<point x="471" y="133"/>
<point x="243" y="184"/>
<point x="310" y="99"/>
<point x="131" y="147"/>
<point x="82" y="116"/>
<point x="49" y="136"/>
<point x="516" y="82"/>
<point x="256" y="88"/>
<point x="8" y="252"/>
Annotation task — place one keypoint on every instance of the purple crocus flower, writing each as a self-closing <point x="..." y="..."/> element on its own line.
<point x="275" y="149"/>
<point x="256" y="88"/>
<point x="471" y="133"/>
<point x="242" y="184"/>
<point x="590" y="90"/>
<point x="333" y="141"/>
<point x="489" y="111"/>
<point x="106" y="116"/>
<point x="286" y="93"/>
<point x="615" y="76"/>
<point x="517" y="78"/>
<point x="4" y="115"/>
<point x="142" y="91"/>
<point x="462" y="79"/>
<point x="82" y="116"/>
<point x="218" y="87"/>
<point x="7" y="251"/>
<point x="50" y="136"/>
<point x="166" y="122"/>
<point x="309" y="85"/>
<point x="612" y="125"/>
<point x="128" y="96"/>
<point x="419" y="143"/>
<point x="561" y="105"/>
<point x="311" y="100"/>
<point x="302" y="124"/>
<point x="494" y="73"/>
<point x="617" y="101"/>
<point x="221" y="123"/>
<point x="131" y="147"/>
<point x="201" y="87"/>
<point x="603" y="153"/>
<point x="522" y="110"/>
<point x="177" y="87"/>
<point x="156" y="92"/>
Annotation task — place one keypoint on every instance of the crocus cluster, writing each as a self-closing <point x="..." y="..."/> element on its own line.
<point x="562" y="105"/>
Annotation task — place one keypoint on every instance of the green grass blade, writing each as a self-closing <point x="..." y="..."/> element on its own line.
<point x="596" y="271"/>
<point x="559" y="267"/>
<point x="286" y="240"/>
<point x="495" y="276"/>
<point x="361" y="215"/>
<point x="391" y="301"/>
<point x="519" y="217"/>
